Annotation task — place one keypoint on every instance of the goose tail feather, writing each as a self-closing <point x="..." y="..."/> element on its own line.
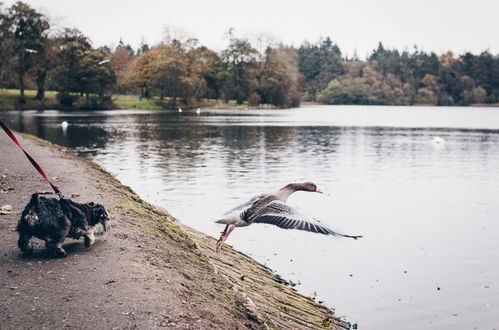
<point x="225" y="221"/>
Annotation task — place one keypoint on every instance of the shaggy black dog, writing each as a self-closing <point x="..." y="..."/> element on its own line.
<point x="52" y="220"/>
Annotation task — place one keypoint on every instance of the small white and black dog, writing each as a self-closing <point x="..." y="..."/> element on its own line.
<point x="52" y="220"/>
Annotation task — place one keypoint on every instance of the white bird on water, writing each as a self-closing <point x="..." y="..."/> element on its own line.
<point x="438" y="139"/>
<point x="64" y="124"/>
<point x="272" y="209"/>
<point x="179" y="109"/>
<point x="198" y="111"/>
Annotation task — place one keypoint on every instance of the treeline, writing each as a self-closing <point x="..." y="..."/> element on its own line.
<point x="180" y="72"/>
<point x="398" y="78"/>
<point x="34" y="56"/>
<point x="190" y="73"/>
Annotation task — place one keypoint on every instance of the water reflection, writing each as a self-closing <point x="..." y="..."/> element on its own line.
<point x="428" y="210"/>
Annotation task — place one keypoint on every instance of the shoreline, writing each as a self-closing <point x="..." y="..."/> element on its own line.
<point x="8" y="102"/>
<point x="161" y="267"/>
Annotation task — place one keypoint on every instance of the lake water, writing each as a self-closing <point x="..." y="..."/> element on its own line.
<point x="421" y="184"/>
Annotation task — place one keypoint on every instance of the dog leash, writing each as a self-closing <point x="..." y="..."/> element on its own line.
<point x="33" y="162"/>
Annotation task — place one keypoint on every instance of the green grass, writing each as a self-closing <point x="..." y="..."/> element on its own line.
<point x="9" y="100"/>
<point x="134" y="102"/>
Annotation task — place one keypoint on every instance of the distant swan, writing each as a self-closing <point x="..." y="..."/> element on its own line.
<point x="272" y="209"/>
<point x="198" y="111"/>
<point x="179" y="109"/>
<point x="438" y="139"/>
<point x="64" y="124"/>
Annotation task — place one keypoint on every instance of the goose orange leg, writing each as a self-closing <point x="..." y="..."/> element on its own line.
<point x="225" y="234"/>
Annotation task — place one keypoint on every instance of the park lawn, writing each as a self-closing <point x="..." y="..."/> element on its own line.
<point x="135" y="102"/>
<point x="9" y="100"/>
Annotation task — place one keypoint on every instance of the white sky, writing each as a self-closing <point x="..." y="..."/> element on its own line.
<point x="433" y="25"/>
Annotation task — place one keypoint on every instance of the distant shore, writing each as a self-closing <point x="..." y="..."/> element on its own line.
<point x="9" y="101"/>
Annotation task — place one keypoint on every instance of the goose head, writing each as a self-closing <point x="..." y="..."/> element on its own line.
<point x="305" y="186"/>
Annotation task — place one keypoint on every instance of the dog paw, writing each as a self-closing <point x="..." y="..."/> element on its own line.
<point x="89" y="240"/>
<point x="27" y="252"/>
<point x="60" y="253"/>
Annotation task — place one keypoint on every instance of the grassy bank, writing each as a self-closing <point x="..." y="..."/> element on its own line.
<point x="9" y="100"/>
<point x="154" y="258"/>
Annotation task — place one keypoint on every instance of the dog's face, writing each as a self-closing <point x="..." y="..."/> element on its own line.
<point x="99" y="215"/>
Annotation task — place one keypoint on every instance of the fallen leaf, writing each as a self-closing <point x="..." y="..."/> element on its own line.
<point x="326" y="322"/>
<point x="5" y="209"/>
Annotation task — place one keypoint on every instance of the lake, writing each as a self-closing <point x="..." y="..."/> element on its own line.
<point x="420" y="183"/>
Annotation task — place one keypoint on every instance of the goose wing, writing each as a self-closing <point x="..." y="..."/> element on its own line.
<point x="242" y="207"/>
<point x="284" y="216"/>
<point x="236" y="214"/>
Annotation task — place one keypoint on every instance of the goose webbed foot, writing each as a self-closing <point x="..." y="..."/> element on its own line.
<point x="223" y="237"/>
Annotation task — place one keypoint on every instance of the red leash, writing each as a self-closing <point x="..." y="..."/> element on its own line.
<point x="33" y="162"/>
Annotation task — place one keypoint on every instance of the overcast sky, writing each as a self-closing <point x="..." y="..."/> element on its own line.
<point x="433" y="25"/>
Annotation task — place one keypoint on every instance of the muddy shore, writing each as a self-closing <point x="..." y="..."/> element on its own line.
<point x="149" y="271"/>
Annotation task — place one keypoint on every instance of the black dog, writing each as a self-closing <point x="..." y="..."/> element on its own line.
<point x="52" y="220"/>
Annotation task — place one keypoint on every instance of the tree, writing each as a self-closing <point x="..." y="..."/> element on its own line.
<point x="238" y="70"/>
<point x="27" y="32"/>
<point x="83" y="70"/>
<point x="371" y="87"/>
<point x="96" y="77"/>
<point x="201" y="75"/>
<point x="141" y="72"/>
<point x="169" y="72"/>
<point x="280" y="78"/>
<point x="203" y="65"/>
<point x="163" y="70"/>
<point x="121" y="60"/>
<point x="72" y="45"/>
<point x="385" y="60"/>
<point x="45" y="62"/>
<point x="320" y="63"/>
<point x="5" y="44"/>
<point x="144" y="47"/>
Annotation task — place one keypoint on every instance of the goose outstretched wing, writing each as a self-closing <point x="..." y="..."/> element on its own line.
<point x="284" y="216"/>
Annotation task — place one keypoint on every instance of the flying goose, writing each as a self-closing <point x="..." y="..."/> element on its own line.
<point x="272" y="209"/>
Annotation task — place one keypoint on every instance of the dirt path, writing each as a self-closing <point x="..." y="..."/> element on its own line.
<point x="147" y="272"/>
